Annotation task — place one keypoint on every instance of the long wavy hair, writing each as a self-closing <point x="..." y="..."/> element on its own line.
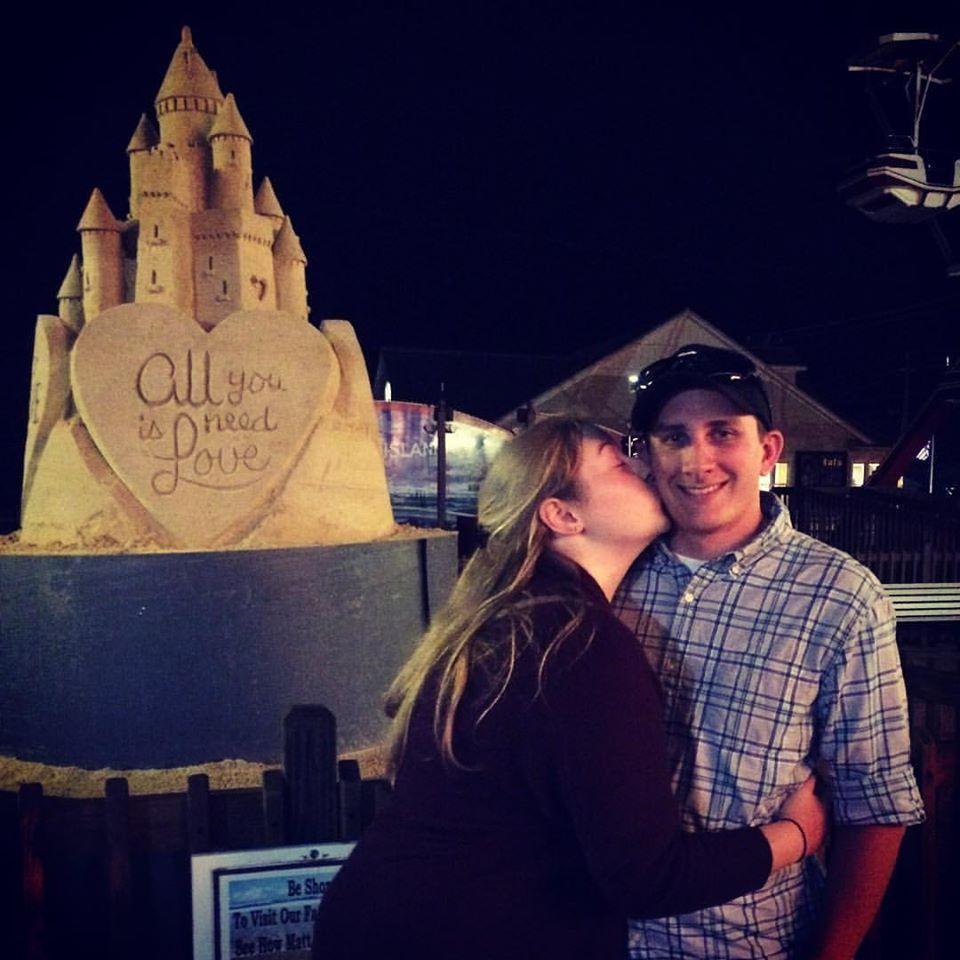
<point x="487" y="620"/>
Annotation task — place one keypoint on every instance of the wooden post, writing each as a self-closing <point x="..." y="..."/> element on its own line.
<point x="350" y="796"/>
<point x="119" y="887"/>
<point x="274" y="808"/>
<point x="198" y="813"/>
<point x="30" y="803"/>
<point x="310" y="764"/>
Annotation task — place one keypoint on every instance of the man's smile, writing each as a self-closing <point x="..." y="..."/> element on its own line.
<point x="701" y="490"/>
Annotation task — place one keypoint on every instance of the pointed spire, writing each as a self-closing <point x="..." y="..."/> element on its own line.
<point x="266" y="202"/>
<point x="98" y="215"/>
<point x="229" y="123"/>
<point x="188" y="75"/>
<point x="287" y="244"/>
<point x="144" y="137"/>
<point x="72" y="286"/>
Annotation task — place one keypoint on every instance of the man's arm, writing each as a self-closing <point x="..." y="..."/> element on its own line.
<point x="860" y="862"/>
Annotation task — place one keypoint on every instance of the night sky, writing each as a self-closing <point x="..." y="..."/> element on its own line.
<point x="498" y="177"/>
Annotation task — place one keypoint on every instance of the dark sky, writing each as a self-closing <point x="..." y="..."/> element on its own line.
<point x="516" y="177"/>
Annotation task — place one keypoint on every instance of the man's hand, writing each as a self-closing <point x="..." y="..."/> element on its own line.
<point x="860" y="862"/>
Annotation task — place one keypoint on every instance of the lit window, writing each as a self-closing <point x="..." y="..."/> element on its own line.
<point x="857" y="474"/>
<point x="872" y="468"/>
<point x="900" y="484"/>
<point x="781" y="474"/>
<point x="387" y="391"/>
<point x="765" y="481"/>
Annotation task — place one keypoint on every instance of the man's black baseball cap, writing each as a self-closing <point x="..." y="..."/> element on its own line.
<point x="699" y="367"/>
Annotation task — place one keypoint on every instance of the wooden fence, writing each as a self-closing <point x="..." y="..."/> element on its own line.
<point x="110" y="876"/>
<point x="902" y="540"/>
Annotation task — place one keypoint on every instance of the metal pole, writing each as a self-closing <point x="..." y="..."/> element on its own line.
<point x="441" y="416"/>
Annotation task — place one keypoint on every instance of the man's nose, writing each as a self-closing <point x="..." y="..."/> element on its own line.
<point x="697" y="456"/>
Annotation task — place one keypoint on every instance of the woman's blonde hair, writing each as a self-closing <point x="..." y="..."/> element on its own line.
<point x="487" y="617"/>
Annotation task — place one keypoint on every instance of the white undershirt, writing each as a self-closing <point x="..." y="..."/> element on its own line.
<point x="691" y="563"/>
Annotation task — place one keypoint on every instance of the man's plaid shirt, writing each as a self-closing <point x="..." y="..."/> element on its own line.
<point x="775" y="659"/>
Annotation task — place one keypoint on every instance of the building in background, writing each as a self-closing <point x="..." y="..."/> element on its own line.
<point x="822" y="449"/>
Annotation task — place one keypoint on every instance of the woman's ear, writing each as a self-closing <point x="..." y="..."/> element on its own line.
<point x="560" y="517"/>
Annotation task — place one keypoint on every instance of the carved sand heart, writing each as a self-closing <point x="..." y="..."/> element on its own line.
<point x="201" y="427"/>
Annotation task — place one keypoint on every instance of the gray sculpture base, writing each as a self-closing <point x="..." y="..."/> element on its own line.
<point x="161" y="660"/>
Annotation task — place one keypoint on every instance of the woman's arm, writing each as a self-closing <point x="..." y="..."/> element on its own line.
<point x="600" y="716"/>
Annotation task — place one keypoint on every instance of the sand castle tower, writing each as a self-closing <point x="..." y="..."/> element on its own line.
<point x="195" y="237"/>
<point x="182" y="338"/>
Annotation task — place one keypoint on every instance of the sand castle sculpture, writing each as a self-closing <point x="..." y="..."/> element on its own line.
<point x="181" y="399"/>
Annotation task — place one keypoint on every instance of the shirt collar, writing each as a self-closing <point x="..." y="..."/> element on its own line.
<point x="776" y="524"/>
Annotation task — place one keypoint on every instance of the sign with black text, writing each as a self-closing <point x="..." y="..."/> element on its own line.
<point x="258" y="903"/>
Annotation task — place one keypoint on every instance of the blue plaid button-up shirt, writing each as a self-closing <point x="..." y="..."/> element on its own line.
<point x="775" y="659"/>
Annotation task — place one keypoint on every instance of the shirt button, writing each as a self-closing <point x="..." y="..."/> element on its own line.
<point x="689" y="597"/>
<point x="735" y="569"/>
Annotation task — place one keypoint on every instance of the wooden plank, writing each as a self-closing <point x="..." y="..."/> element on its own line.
<point x="198" y="813"/>
<point x="30" y="804"/>
<point x="119" y="882"/>
<point x="310" y="765"/>
<point x="274" y="807"/>
<point x="351" y="799"/>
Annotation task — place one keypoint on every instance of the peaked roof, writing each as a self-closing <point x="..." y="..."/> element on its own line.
<point x="72" y="286"/>
<point x="228" y="122"/>
<point x="287" y="244"/>
<point x="600" y="381"/>
<point x="188" y="75"/>
<point x="144" y="137"/>
<point x="266" y="202"/>
<point x="98" y="215"/>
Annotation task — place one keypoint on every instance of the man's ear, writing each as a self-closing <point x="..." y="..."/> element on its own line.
<point x="772" y="443"/>
<point x="560" y="517"/>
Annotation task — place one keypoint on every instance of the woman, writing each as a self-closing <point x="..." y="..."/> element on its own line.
<point x="532" y="812"/>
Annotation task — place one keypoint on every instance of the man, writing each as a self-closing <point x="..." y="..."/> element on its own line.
<point x="777" y="655"/>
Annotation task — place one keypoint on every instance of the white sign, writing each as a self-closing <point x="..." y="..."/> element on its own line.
<point x="258" y="903"/>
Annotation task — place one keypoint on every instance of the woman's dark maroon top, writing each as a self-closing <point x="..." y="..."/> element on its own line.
<point x="566" y="827"/>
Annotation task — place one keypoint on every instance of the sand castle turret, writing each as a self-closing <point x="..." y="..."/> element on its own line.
<point x="102" y="256"/>
<point x="70" y="297"/>
<point x="267" y="204"/>
<point x="145" y="138"/>
<point x="290" y="266"/>
<point x="230" y="143"/>
<point x="187" y="104"/>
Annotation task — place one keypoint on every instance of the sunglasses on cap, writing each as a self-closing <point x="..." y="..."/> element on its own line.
<point x="712" y="362"/>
